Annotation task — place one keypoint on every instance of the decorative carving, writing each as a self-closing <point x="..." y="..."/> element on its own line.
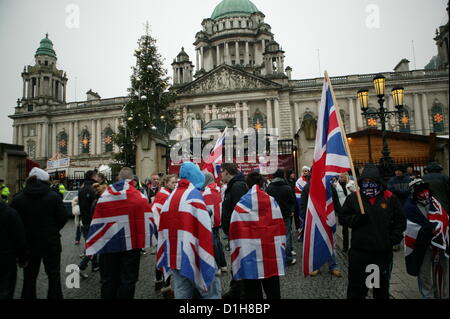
<point x="226" y="79"/>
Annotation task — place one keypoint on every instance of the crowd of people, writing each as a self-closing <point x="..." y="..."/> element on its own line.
<point x="380" y="216"/>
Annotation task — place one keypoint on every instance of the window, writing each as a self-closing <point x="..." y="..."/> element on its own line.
<point x="62" y="142"/>
<point x="372" y="121"/>
<point x="405" y="121"/>
<point x="437" y="113"/>
<point x="108" y="139"/>
<point x="46" y="62"/>
<point x="85" y="141"/>
<point x="31" y="149"/>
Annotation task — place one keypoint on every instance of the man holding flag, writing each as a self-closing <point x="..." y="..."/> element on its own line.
<point x="330" y="159"/>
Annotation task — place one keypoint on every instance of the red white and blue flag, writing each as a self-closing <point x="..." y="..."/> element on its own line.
<point x="122" y="221"/>
<point x="185" y="240"/>
<point x="330" y="159"/>
<point x="214" y="162"/>
<point x="299" y="185"/>
<point x="257" y="237"/>
<point x="213" y="201"/>
<point x="158" y="204"/>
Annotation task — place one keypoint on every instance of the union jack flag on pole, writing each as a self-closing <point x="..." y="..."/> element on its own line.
<point x="257" y="237"/>
<point x="185" y="239"/>
<point x="122" y="221"/>
<point x="330" y="159"/>
<point x="214" y="161"/>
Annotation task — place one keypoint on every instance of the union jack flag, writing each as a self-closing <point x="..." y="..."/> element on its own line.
<point x="213" y="201"/>
<point x="257" y="237"/>
<point x="330" y="159"/>
<point x="122" y="221"/>
<point x="158" y="203"/>
<point x="214" y="161"/>
<point x="299" y="185"/>
<point x="185" y="240"/>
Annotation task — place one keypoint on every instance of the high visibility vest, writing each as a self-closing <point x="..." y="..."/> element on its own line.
<point x="4" y="192"/>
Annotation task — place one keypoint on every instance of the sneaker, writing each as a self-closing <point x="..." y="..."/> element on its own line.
<point x="95" y="269"/>
<point x="143" y="252"/>
<point x="292" y="262"/>
<point x="314" y="273"/>
<point x="218" y="272"/>
<point x="224" y="269"/>
<point x="159" y="284"/>
<point x="336" y="273"/>
<point x="82" y="274"/>
<point x="167" y="293"/>
<point x="77" y="243"/>
<point x="293" y="253"/>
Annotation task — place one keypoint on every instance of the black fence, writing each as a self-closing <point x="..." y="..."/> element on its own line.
<point x="418" y="165"/>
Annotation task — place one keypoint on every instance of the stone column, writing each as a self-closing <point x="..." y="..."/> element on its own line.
<point x="238" y="60"/>
<point x="29" y="88"/>
<point x="297" y="117"/>
<point x="93" y="138"/>
<point x="351" y="108"/>
<point x="14" y="134"/>
<point x="24" y="84"/>
<point x="70" y="148"/>
<point x="247" y="54"/>
<point x="238" y="115"/>
<point x="425" y="115"/>
<point x="277" y="114"/>
<point x="39" y="140"/>
<point x="218" y="55"/>
<point x="202" y="58"/>
<point x="269" y="113"/>
<point x="263" y="45"/>
<point x="64" y="93"/>
<point x="207" y="114"/>
<point x="179" y="80"/>
<point x="184" y="115"/>
<point x="99" y="137"/>
<point x="197" y="65"/>
<point x="44" y="140"/>
<point x="227" y="54"/>
<point x="359" y="118"/>
<point x="214" y="113"/>
<point x="245" y="116"/>
<point x="53" y="143"/>
<point x="75" y="138"/>
<point x="20" y="135"/>
<point x="417" y="115"/>
<point x="116" y="129"/>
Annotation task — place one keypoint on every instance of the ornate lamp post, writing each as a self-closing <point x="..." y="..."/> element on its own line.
<point x="386" y="163"/>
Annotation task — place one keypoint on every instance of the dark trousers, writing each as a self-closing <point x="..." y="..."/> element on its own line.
<point x="52" y="265"/>
<point x="119" y="273"/>
<point x="86" y="259"/>
<point x="345" y="237"/>
<point x="219" y="255"/>
<point x="253" y="289"/>
<point x="78" y="233"/>
<point x="8" y="276"/>
<point x="357" y="275"/>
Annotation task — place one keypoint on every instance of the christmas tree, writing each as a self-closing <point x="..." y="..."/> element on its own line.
<point x="147" y="110"/>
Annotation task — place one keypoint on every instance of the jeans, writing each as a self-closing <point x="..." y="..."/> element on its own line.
<point x="184" y="288"/>
<point x="86" y="259"/>
<point x="219" y="255"/>
<point x="8" y="276"/>
<point x="429" y="285"/>
<point x="288" y="223"/>
<point x="119" y="273"/>
<point x="52" y="266"/>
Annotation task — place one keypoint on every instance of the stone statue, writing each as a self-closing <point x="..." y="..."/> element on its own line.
<point x="309" y="126"/>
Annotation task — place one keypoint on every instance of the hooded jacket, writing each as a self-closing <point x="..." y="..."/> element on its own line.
<point x="383" y="224"/>
<point x="12" y="235"/>
<point x="236" y="188"/>
<point x="192" y="173"/>
<point x="439" y="184"/>
<point x="86" y="197"/>
<point x="283" y="194"/>
<point x="43" y="216"/>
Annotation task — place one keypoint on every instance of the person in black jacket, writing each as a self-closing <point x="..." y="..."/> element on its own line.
<point x="12" y="249"/>
<point x="373" y="234"/>
<point x="438" y="184"/>
<point x="284" y="195"/>
<point x="86" y="198"/>
<point x="43" y="215"/>
<point x="236" y="188"/>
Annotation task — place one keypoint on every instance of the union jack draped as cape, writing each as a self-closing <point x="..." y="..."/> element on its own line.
<point x="257" y="237"/>
<point x="185" y="240"/>
<point x="122" y="221"/>
<point x="330" y="159"/>
<point x="213" y="201"/>
<point x="158" y="203"/>
<point x="299" y="185"/>
<point x="420" y="233"/>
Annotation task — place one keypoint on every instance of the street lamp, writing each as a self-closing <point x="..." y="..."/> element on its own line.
<point x="383" y="114"/>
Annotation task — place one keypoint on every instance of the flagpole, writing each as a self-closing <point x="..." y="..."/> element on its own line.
<point x="347" y="148"/>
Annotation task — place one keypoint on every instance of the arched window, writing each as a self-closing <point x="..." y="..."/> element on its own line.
<point x="85" y="141"/>
<point x="405" y="120"/>
<point x="62" y="142"/>
<point x="437" y="113"/>
<point x="309" y="125"/>
<point x="108" y="139"/>
<point x="31" y="149"/>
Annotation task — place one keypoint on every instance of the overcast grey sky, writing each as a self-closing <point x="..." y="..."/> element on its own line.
<point x="97" y="52"/>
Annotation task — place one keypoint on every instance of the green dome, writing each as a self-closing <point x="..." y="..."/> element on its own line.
<point x="230" y="8"/>
<point x="46" y="47"/>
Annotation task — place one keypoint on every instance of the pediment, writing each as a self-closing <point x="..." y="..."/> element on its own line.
<point x="227" y="79"/>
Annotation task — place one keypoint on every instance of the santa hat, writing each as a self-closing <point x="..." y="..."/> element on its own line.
<point x="40" y="174"/>
<point x="306" y="167"/>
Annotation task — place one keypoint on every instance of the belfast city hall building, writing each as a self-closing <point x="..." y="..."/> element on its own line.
<point x="239" y="78"/>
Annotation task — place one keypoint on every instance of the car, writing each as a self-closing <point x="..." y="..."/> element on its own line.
<point x="67" y="200"/>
